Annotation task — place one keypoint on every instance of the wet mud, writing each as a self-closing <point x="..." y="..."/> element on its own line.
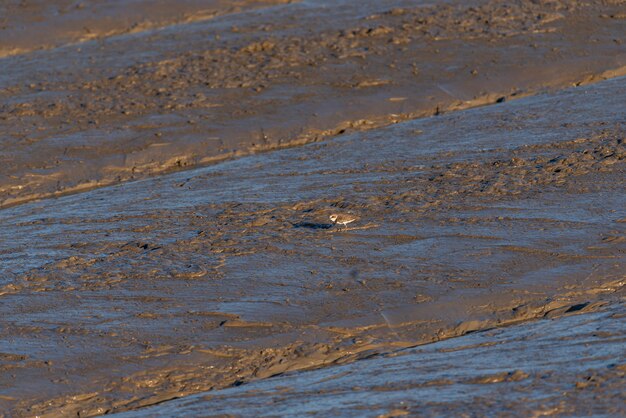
<point x="272" y="75"/>
<point x="194" y="271"/>
<point x="36" y="25"/>
<point x="515" y="371"/>
<point x="128" y="296"/>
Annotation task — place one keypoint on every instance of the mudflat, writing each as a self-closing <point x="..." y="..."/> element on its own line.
<point x="274" y="74"/>
<point x="479" y="145"/>
<point x="126" y="296"/>
<point x="504" y="372"/>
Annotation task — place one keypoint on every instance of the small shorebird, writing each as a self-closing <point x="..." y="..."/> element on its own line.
<point x="344" y="220"/>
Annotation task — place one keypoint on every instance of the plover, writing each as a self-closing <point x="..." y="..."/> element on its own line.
<point x="344" y="220"/>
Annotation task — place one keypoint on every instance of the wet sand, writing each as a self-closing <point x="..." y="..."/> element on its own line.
<point x="177" y="283"/>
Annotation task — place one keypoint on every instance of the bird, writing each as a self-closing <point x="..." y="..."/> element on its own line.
<point x="344" y="220"/>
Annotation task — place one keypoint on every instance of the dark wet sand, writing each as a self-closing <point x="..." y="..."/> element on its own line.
<point x="129" y="295"/>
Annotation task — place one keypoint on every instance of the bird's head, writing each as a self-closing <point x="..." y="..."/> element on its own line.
<point x="333" y="218"/>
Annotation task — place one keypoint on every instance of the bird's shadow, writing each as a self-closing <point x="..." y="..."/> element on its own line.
<point x="312" y="225"/>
